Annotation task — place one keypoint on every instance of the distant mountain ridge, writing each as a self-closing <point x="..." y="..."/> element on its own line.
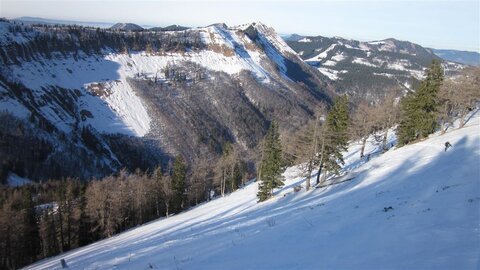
<point x="38" y="20"/>
<point x="367" y="70"/>
<point x="172" y="27"/>
<point x="126" y="27"/>
<point x="462" y="57"/>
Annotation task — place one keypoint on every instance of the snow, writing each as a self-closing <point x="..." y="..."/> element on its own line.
<point x="384" y="45"/>
<point x="128" y="107"/>
<point x="396" y="66"/>
<point x="51" y="207"/>
<point x="363" y="61"/>
<point x="13" y="180"/>
<point x="384" y="74"/>
<point x="381" y="42"/>
<point x="11" y="106"/>
<point x="108" y="112"/>
<point x="330" y="73"/>
<point x="432" y="224"/>
<point x="329" y="63"/>
<point x="338" y="57"/>
<point x="322" y="55"/>
<point x="364" y="47"/>
<point x="7" y="37"/>
<point x="273" y="38"/>
<point x="305" y="40"/>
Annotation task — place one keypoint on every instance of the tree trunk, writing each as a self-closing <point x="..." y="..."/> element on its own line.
<point x="319" y="173"/>
<point x="443" y="130"/>
<point x="231" y="178"/>
<point x="362" y="150"/>
<point x="315" y="149"/>
<point x="309" y="175"/>
<point x="69" y="227"/>
<point x="223" y="182"/>
<point x="62" y="238"/>
<point x="384" y="143"/>
<point x="324" y="177"/>
<point x="462" y="118"/>
<point x="320" y="167"/>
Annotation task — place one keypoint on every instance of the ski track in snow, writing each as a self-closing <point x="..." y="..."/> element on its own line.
<point x="433" y="223"/>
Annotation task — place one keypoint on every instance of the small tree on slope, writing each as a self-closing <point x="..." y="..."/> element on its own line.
<point x="271" y="166"/>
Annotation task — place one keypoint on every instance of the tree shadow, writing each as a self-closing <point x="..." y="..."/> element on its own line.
<point x="214" y="237"/>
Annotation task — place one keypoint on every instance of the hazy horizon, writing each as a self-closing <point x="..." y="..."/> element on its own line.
<point x="440" y="25"/>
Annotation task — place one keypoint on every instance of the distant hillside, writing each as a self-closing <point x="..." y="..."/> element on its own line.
<point x="367" y="70"/>
<point x="172" y="27"/>
<point x="462" y="57"/>
<point x="127" y="27"/>
<point x="37" y="20"/>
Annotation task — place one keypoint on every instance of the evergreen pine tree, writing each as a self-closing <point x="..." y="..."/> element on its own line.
<point x="419" y="109"/>
<point x="237" y="176"/>
<point x="334" y="138"/>
<point x="157" y="189"/>
<point x="271" y="165"/>
<point x="178" y="183"/>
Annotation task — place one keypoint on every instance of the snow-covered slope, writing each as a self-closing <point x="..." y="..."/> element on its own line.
<point x="416" y="207"/>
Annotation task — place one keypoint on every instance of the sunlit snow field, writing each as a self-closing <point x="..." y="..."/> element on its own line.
<point x="433" y="223"/>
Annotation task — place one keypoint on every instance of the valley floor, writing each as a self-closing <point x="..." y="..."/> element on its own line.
<point x="416" y="207"/>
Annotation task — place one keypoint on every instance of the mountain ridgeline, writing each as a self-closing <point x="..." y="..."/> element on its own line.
<point x="84" y="102"/>
<point x="462" y="57"/>
<point x="368" y="70"/>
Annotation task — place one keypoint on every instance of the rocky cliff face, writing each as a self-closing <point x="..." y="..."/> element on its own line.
<point x="133" y="99"/>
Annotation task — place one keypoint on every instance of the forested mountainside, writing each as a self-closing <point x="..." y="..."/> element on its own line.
<point x="368" y="70"/>
<point x="85" y="102"/>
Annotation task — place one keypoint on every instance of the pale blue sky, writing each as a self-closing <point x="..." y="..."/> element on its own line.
<point x="438" y="24"/>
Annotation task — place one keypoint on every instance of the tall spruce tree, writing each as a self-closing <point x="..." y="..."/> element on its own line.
<point x="334" y="138"/>
<point x="179" y="178"/>
<point x="271" y="165"/>
<point x="419" y="109"/>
